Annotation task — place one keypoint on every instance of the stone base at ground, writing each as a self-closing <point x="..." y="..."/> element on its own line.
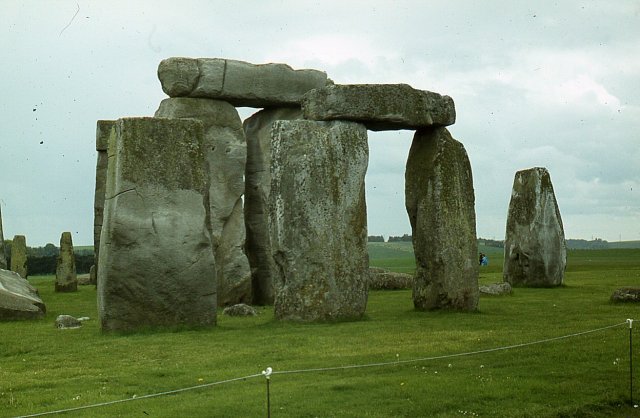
<point x="318" y="220"/>
<point x="441" y="206"/>
<point x="18" y="299"/>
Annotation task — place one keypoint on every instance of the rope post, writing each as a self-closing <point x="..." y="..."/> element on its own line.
<point x="630" y="321"/>
<point x="267" y="374"/>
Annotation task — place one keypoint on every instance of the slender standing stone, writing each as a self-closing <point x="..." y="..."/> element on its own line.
<point x="156" y="259"/>
<point x="3" y="257"/>
<point x="19" y="255"/>
<point x="226" y="154"/>
<point x="257" y="129"/>
<point x="104" y="130"/>
<point x="440" y="203"/>
<point x="318" y="220"/>
<point x="535" y="253"/>
<point x="66" y="277"/>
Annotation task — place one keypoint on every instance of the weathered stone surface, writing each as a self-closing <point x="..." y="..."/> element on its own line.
<point x="104" y="130"/>
<point x="381" y="279"/>
<point x="496" y="289"/>
<point x="226" y="154"/>
<point x="257" y="129"/>
<point x="318" y="220"/>
<point x="18" y="299"/>
<point x="237" y="82"/>
<point x="240" y="309"/>
<point x="66" y="276"/>
<point x="3" y="257"/>
<point x="156" y="258"/>
<point x="19" y="255"/>
<point x="67" y="322"/>
<point x="535" y="253"/>
<point x="626" y="294"/>
<point x="86" y="279"/>
<point x="380" y="106"/>
<point x="440" y="202"/>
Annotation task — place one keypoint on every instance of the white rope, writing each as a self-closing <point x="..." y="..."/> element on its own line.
<point x="468" y="353"/>
<point x="136" y="398"/>
<point x="269" y="372"/>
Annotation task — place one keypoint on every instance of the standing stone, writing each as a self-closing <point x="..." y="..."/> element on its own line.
<point x="66" y="278"/>
<point x="237" y="82"/>
<point x="3" y="257"/>
<point x="257" y="129"/>
<point x="156" y="258"/>
<point x="318" y="220"/>
<point x="19" y="255"/>
<point x="104" y="130"/>
<point x="440" y="203"/>
<point x="535" y="253"/>
<point x="226" y="154"/>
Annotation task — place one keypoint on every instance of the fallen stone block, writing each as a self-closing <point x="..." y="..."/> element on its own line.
<point x="380" y="107"/>
<point x="237" y="82"/>
<point x="18" y="298"/>
<point x="381" y="279"/>
<point x="240" y="309"/>
<point x="496" y="289"/>
<point x="626" y="294"/>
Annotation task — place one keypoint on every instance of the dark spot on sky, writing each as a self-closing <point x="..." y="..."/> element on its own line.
<point x="41" y="142"/>
<point x="34" y="109"/>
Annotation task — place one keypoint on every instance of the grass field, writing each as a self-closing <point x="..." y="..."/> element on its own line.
<point x="44" y="369"/>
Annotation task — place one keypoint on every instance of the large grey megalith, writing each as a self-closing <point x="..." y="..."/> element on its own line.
<point x="103" y="132"/>
<point x="535" y="253"/>
<point x="156" y="265"/>
<point x="257" y="130"/>
<point x="3" y="257"/>
<point x="318" y="219"/>
<point x="226" y="153"/>
<point x="440" y="202"/>
<point x="18" y="299"/>
<point x="66" y="276"/>
<point x="19" y="255"/>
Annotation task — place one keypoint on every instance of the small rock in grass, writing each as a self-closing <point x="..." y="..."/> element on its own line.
<point x="240" y="309"/>
<point x="67" y="322"/>
<point x="626" y="294"/>
<point x="496" y="289"/>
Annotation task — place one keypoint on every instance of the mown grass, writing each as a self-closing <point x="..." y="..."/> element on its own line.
<point x="43" y="369"/>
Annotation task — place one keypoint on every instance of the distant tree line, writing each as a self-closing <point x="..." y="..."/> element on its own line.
<point x="43" y="260"/>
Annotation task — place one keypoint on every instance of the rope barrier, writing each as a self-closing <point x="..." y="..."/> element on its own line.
<point x="153" y="395"/>
<point x="270" y="372"/>
<point x="469" y="353"/>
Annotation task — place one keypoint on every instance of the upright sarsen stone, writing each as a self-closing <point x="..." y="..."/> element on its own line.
<point x="104" y="129"/>
<point x="3" y="257"/>
<point x="535" y="252"/>
<point x="318" y="220"/>
<point x="226" y="153"/>
<point x="156" y="265"/>
<point x="19" y="255"/>
<point x="440" y="204"/>
<point x="66" y="277"/>
<point x="257" y="129"/>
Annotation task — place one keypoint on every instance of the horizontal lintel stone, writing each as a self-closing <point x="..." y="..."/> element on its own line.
<point x="237" y="82"/>
<point x="380" y="107"/>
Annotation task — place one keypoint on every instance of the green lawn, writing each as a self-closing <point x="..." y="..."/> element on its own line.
<point x="44" y="369"/>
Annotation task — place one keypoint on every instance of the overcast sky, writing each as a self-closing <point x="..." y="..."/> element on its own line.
<point x="548" y="83"/>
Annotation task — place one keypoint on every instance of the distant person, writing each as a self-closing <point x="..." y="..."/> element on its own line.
<point x="484" y="260"/>
<point x="480" y="258"/>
